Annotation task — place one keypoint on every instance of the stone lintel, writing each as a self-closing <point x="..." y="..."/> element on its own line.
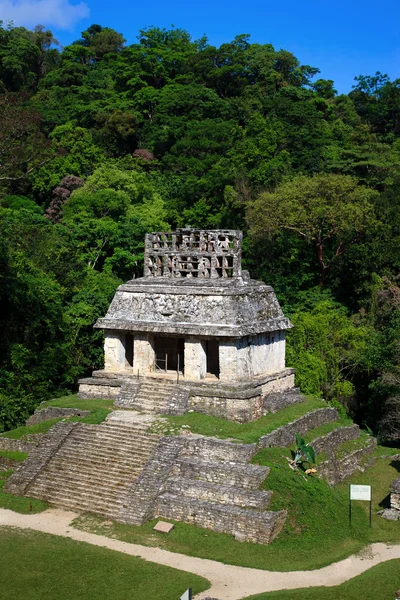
<point x="204" y="330"/>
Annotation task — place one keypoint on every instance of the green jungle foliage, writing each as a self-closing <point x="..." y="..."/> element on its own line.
<point x="101" y="142"/>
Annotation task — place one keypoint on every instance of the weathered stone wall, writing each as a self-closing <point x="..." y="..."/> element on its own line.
<point x="232" y="409"/>
<point x="53" y="412"/>
<point x="336" y="471"/>
<point x="258" y="527"/>
<point x="222" y="472"/>
<point x="286" y="435"/>
<point x="275" y="401"/>
<point x="93" y="388"/>
<point x="222" y="494"/>
<point x="395" y="494"/>
<point x="7" y="464"/>
<point x="25" y="445"/>
<point x="38" y="458"/>
<point x="278" y="383"/>
<point x="214" y="450"/>
<point x="328" y="442"/>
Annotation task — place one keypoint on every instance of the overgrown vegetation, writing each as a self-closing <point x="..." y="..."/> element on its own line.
<point x="101" y="142"/>
<point x="55" y="567"/>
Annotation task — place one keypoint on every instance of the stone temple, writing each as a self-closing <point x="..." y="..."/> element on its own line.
<point x="197" y="321"/>
<point x="195" y="333"/>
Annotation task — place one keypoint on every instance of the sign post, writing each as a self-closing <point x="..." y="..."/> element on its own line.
<point x="361" y="492"/>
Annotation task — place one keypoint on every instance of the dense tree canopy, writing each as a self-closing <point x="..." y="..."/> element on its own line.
<point x="101" y="142"/>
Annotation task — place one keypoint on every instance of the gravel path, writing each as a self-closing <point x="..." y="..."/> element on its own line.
<point x="227" y="582"/>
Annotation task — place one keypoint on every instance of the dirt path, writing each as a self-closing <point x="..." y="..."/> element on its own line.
<point x="227" y="582"/>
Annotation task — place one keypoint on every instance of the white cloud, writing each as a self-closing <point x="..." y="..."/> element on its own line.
<point x="60" y="14"/>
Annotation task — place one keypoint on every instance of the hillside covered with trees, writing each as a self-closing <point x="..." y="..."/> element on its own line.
<point x="101" y="142"/>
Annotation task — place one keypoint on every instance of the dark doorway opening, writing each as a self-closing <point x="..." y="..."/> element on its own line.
<point x="212" y="354"/>
<point x="170" y="354"/>
<point x="129" y="350"/>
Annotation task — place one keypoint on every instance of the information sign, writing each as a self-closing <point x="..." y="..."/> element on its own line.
<point x="360" y="492"/>
<point x="187" y="595"/>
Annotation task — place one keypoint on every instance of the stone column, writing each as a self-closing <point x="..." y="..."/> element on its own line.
<point x="143" y="354"/>
<point x="195" y="359"/>
<point x="228" y="370"/>
<point x="114" y="351"/>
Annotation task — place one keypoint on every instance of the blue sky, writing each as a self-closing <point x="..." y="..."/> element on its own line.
<point x="342" y="38"/>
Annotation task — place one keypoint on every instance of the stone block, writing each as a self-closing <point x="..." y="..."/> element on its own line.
<point x="163" y="527"/>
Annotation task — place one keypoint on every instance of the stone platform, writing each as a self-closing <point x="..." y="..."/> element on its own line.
<point x="237" y="401"/>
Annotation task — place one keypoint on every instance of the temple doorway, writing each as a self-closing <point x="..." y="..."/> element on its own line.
<point x="128" y="345"/>
<point x="169" y="354"/>
<point x="212" y="354"/>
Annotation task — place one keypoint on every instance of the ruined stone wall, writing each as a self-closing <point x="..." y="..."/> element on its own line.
<point x="335" y="471"/>
<point x="214" y="449"/>
<point x="286" y="435"/>
<point x="258" y="527"/>
<point x="25" y="445"/>
<point x="53" y="412"/>
<point x="95" y="389"/>
<point x="395" y="494"/>
<point x="336" y="437"/>
<point x="232" y="409"/>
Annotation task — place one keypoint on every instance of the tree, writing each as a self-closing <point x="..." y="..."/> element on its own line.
<point x="330" y="213"/>
<point x="23" y="147"/>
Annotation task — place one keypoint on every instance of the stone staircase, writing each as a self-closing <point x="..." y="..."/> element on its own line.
<point x="95" y="468"/>
<point x="152" y="397"/>
<point x="212" y="485"/>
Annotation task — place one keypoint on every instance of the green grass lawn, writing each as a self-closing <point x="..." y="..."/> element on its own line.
<point x="316" y="533"/>
<point x="99" y="409"/>
<point x="39" y="566"/>
<point x="243" y="432"/>
<point x="379" y="583"/>
<point x="18" y="503"/>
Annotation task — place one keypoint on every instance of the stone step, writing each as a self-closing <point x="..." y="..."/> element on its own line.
<point x="217" y="493"/>
<point x="110" y="436"/>
<point x="105" y="491"/>
<point x="105" y="509"/>
<point x="104" y="445"/>
<point x="234" y="474"/>
<point x="94" y="468"/>
<point x="66" y="464"/>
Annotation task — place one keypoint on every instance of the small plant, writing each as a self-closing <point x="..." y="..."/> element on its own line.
<point x="303" y="453"/>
